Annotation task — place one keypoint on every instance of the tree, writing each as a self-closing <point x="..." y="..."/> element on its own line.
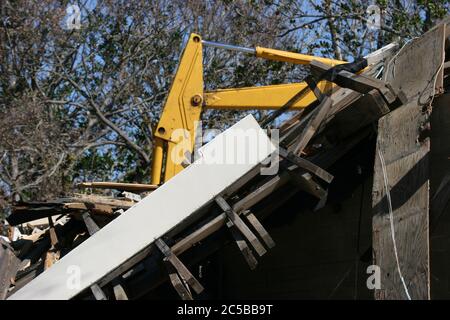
<point x="343" y="28"/>
<point x="81" y="103"/>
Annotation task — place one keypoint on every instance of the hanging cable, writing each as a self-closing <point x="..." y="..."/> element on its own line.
<point x="391" y="218"/>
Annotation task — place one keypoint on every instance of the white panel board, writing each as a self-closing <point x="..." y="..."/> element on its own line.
<point x="158" y="213"/>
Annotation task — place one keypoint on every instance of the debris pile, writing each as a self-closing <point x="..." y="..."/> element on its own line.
<point x="382" y="86"/>
<point x="43" y="232"/>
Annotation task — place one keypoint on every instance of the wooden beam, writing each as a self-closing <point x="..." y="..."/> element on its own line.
<point x="9" y="265"/>
<point x="259" y="228"/>
<point x="93" y="207"/>
<point x="246" y="203"/>
<point x="242" y="245"/>
<point x="98" y="292"/>
<point x="319" y="115"/>
<point x="99" y="200"/>
<point x="91" y="226"/>
<point x="358" y="82"/>
<point x="133" y="187"/>
<point x="240" y="225"/>
<point x="307" y="165"/>
<point x="177" y="282"/>
<point x="184" y="272"/>
<point x="119" y="292"/>
<point x="417" y="66"/>
<point x="306" y="183"/>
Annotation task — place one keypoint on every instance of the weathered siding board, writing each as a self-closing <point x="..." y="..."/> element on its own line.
<point x="417" y="66"/>
<point x="406" y="151"/>
<point x="9" y="265"/>
<point x="407" y="169"/>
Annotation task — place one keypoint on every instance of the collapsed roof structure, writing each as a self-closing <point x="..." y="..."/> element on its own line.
<point x="128" y="248"/>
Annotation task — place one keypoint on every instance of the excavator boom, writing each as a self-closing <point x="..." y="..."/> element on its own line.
<point x="175" y="132"/>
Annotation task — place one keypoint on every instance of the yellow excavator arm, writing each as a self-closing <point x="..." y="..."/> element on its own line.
<point x="175" y="132"/>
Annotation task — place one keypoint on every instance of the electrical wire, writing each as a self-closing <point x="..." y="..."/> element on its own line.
<point x="391" y="218"/>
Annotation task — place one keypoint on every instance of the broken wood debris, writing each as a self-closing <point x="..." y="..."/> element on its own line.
<point x="311" y="143"/>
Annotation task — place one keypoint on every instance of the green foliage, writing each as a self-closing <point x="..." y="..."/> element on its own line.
<point x="78" y="105"/>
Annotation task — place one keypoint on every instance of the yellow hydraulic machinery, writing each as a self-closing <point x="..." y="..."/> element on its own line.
<point x="175" y="133"/>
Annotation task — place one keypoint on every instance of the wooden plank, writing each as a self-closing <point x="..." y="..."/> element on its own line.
<point x="312" y="84"/>
<point x="314" y="123"/>
<point x="242" y="245"/>
<point x="218" y="222"/>
<point x="91" y="226"/>
<point x="53" y="253"/>
<point x="405" y="167"/>
<point x="93" y="207"/>
<point x="9" y="265"/>
<point x="119" y="292"/>
<point x="98" y="292"/>
<point x="307" y="165"/>
<point x="30" y="211"/>
<point x="260" y="229"/>
<point x="133" y="187"/>
<point x="247" y="202"/>
<point x="240" y="225"/>
<point x="288" y="124"/>
<point x="358" y="82"/>
<point x="52" y="231"/>
<point x="341" y="99"/>
<point x="176" y="282"/>
<point x="306" y="183"/>
<point x="414" y="69"/>
<point x="184" y="272"/>
<point x="365" y="84"/>
<point x="99" y="200"/>
<point x="266" y="188"/>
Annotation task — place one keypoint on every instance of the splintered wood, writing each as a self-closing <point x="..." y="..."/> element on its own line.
<point x="128" y="245"/>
